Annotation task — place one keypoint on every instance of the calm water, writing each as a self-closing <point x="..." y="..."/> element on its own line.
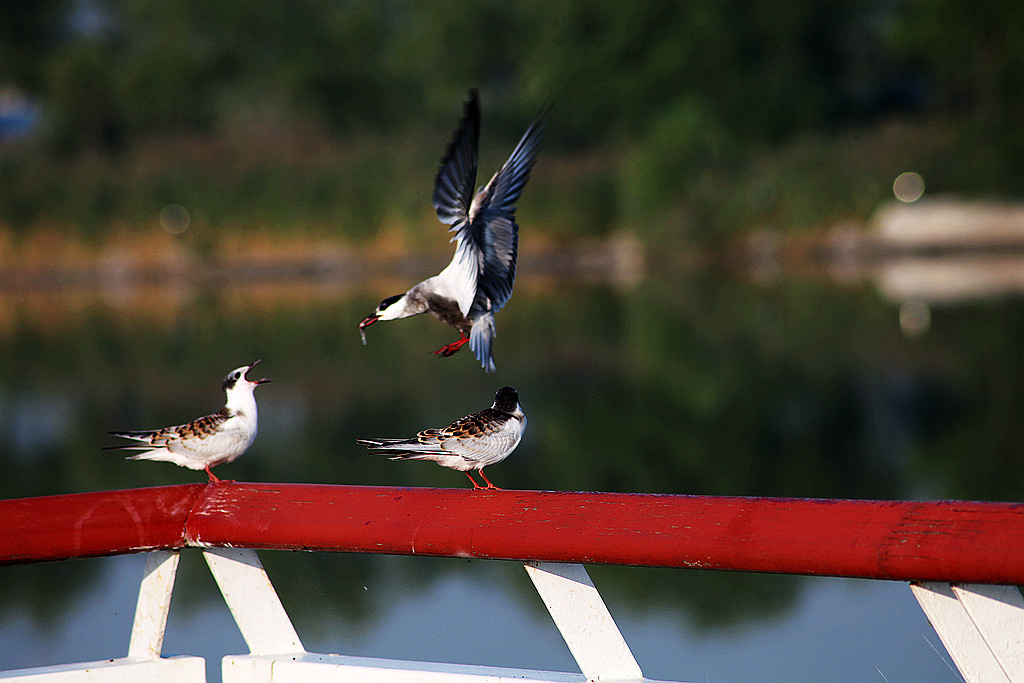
<point x="700" y="384"/>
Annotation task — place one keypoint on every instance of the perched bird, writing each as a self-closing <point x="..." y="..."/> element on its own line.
<point x="206" y="441"/>
<point x="469" y="443"/>
<point x="478" y="281"/>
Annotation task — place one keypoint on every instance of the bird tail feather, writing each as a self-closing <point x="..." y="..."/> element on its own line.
<point x="481" y="339"/>
<point x="137" y="436"/>
<point x="399" y="448"/>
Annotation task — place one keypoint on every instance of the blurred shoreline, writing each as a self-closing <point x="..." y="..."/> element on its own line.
<point x="49" y="281"/>
<point x="934" y="251"/>
<point x="49" y="265"/>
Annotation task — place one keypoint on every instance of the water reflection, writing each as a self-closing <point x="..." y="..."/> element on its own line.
<point x="699" y="383"/>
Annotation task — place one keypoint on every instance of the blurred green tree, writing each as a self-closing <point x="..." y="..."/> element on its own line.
<point x="663" y="101"/>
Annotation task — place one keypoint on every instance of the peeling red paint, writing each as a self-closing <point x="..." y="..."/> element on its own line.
<point x="90" y="524"/>
<point x="934" y="541"/>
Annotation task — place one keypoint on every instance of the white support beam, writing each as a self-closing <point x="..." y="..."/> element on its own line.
<point x="998" y="613"/>
<point x="959" y="633"/>
<point x="253" y="602"/>
<point x="584" y="621"/>
<point x="143" y="663"/>
<point x="319" y="668"/>
<point x="153" y="605"/>
<point x="169" y="670"/>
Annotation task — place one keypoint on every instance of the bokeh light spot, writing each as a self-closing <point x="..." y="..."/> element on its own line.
<point x="174" y="218"/>
<point x="908" y="186"/>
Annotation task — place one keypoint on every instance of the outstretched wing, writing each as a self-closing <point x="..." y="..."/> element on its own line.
<point x="502" y="192"/>
<point x="492" y="227"/>
<point x="483" y="222"/>
<point x="453" y="196"/>
<point x="456" y="178"/>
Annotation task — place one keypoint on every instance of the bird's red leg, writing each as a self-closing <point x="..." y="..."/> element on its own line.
<point x="490" y="485"/>
<point x="451" y="349"/>
<point x="214" y="479"/>
<point x="475" y="485"/>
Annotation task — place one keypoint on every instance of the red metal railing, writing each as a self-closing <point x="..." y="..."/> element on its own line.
<point x="947" y="541"/>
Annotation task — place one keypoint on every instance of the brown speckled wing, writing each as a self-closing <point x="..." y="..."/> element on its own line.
<point x="429" y="436"/>
<point x="200" y="428"/>
<point x="478" y="437"/>
<point x="474" y="426"/>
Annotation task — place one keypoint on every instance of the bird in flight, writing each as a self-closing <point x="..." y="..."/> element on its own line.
<point x="478" y="281"/>
<point x="470" y="443"/>
<point x="206" y="441"/>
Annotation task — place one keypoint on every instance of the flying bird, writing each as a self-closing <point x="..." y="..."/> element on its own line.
<point x="478" y="281"/>
<point x="206" y="441"/>
<point x="470" y="443"/>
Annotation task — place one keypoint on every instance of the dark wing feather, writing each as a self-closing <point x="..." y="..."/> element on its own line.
<point x="500" y="250"/>
<point x="484" y="223"/>
<point x="492" y="227"/>
<point x="456" y="178"/>
<point x="502" y="193"/>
